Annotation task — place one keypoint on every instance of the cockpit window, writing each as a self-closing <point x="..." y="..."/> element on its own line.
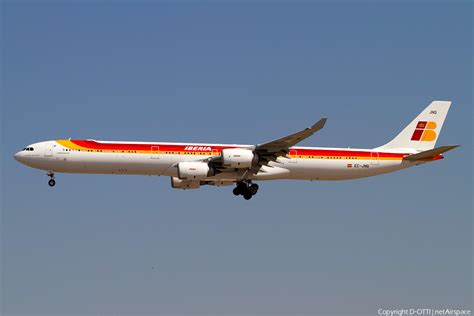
<point x="29" y="149"/>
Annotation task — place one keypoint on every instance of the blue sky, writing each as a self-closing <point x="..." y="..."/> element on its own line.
<point x="240" y="72"/>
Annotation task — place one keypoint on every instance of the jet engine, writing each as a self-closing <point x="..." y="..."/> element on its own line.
<point x="177" y="183"/>
<point x="238" y="158"/>
<point x="194" y="170"/>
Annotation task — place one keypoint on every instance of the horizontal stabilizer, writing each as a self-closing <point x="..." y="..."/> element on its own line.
<point x="429" y="154"/>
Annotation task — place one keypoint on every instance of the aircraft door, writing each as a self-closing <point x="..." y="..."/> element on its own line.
<point x="155" y="150"/>
<point x="374" y="158"/>
<point x="293" y="154"/>
<point x="48" y="150"/>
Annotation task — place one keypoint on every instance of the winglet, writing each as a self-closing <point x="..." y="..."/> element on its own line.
<point x="319" y="124"/>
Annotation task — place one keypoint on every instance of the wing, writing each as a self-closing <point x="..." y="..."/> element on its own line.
<point x="280" y="147"/>
<point x="270" y="151"/>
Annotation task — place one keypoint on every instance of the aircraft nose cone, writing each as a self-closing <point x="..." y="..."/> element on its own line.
<point x="19" y="156"/>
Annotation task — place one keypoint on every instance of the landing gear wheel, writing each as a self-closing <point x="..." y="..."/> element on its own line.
<point x="51" y="182"/>
<point x="253" y="189"/>
<point x="246" y="188"/>
<point x="241" y="188"/>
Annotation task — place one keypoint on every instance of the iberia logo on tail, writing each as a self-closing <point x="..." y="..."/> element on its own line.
<point x="424" y="132"/>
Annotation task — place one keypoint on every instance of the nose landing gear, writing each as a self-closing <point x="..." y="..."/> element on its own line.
<point x="51" y="182"/>
<point x="246" y="188"/>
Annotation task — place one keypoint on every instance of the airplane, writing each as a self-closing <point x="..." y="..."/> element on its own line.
<point x="191" y="165"/>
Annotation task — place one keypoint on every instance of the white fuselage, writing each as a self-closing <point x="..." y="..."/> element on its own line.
<point x="191" y="166"/>
<point x="133" y="158"/>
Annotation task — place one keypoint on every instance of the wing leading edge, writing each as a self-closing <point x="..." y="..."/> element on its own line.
<point x="271" y="150"/>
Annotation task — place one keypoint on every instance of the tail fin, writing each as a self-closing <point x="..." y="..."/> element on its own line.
<point x="421" y="134"/>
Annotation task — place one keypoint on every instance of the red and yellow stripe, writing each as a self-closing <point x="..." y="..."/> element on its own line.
<point x="211" y="150"/>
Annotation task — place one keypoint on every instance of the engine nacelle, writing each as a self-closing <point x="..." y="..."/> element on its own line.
<point x="194" y="170"/>
<point x="237" y="158"/>
<point x="177" y="183"/>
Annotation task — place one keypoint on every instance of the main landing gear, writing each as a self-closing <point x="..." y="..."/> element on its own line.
<point x="246" y="188"/>
<point x="51" y="182"/>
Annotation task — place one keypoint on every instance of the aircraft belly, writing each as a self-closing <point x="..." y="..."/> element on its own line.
<point x="271" y="172"/>
<point x="107" y="163"/>
<point x="283" y="168"/>
<point x="339" y="169"/>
